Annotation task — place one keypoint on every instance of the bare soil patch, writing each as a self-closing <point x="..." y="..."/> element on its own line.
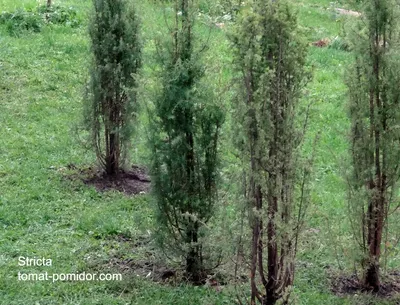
<point x="321" y="43"/>
<point x="131" y="182"/>
<point x="350" y="285"/>
<point x="154" y="271"/>
<point x="147" y="264"/>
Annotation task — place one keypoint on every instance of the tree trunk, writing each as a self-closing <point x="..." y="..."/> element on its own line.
<point x="112" y="165"/>
<point x="194" y="265"/>
<point x="375" y="229"/>
<point x="48" y="3"/>
<point x="271" y="287"/>
<point x="372" y="276"/>
<point x="272" y="247"/>
<point x="375" y="213"/>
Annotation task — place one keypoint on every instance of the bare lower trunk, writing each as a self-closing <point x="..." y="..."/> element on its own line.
<point x="112" y="158"/>
<point x="48" y="3"/>
<point x="372" y="281"/>
<point x="271" y="287"/>
<point x="194" y="264"/>
<point x="272" y="283"/>
<point x="375" y="229"/>
<point x="193" y="271"/>
<point x="253" y="268"/>
<point x="377" y="185"/>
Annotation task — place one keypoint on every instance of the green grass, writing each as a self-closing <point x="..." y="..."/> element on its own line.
<point x="43" y="213"/>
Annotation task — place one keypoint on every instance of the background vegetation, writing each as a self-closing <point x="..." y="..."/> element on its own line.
<point x="45" y="213"/>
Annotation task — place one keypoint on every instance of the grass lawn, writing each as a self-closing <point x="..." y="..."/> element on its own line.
<point x="46" y="212"/>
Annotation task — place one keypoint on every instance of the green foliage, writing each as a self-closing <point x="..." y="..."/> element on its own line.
<point x="227" y="9"/>
<point x="34" y="20"/>
<point x="111" y="104"/>
<point x="270" y="56"/>
<point x="374" y="110"/>
<point x="339" y="44"/>
<point x="44" y="213"/>
<point x="57" y="14"/>
<point x="184" y="143"/>
<point x="21" y="20"/>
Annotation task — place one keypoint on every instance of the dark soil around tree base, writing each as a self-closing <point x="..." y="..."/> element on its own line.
<point x="350" y="285"/>
<point x="147" y="264"/>
<point x="131" y="182"/>
<point x="159" y="272"/>
<point x="156" y="272"/>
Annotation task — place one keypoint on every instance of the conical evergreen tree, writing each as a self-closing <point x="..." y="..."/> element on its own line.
<point x="111" y="101"/>
<point x="184" y="143"/>
<point x="374" y="104"/>
<point x="270" y="57"/>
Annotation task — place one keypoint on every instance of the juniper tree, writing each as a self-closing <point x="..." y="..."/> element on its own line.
<point x="270" y="57"/>
<point x="374" y="108"/>
<point x="111" y="101"/>
<point x="184" y="142"/>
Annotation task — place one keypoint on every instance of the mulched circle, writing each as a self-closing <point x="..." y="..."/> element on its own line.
<point x="131" y="182"/>
<point x="148" y="266"/>
<point x="144" y="268"/>
<point x="350" y="285"/>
